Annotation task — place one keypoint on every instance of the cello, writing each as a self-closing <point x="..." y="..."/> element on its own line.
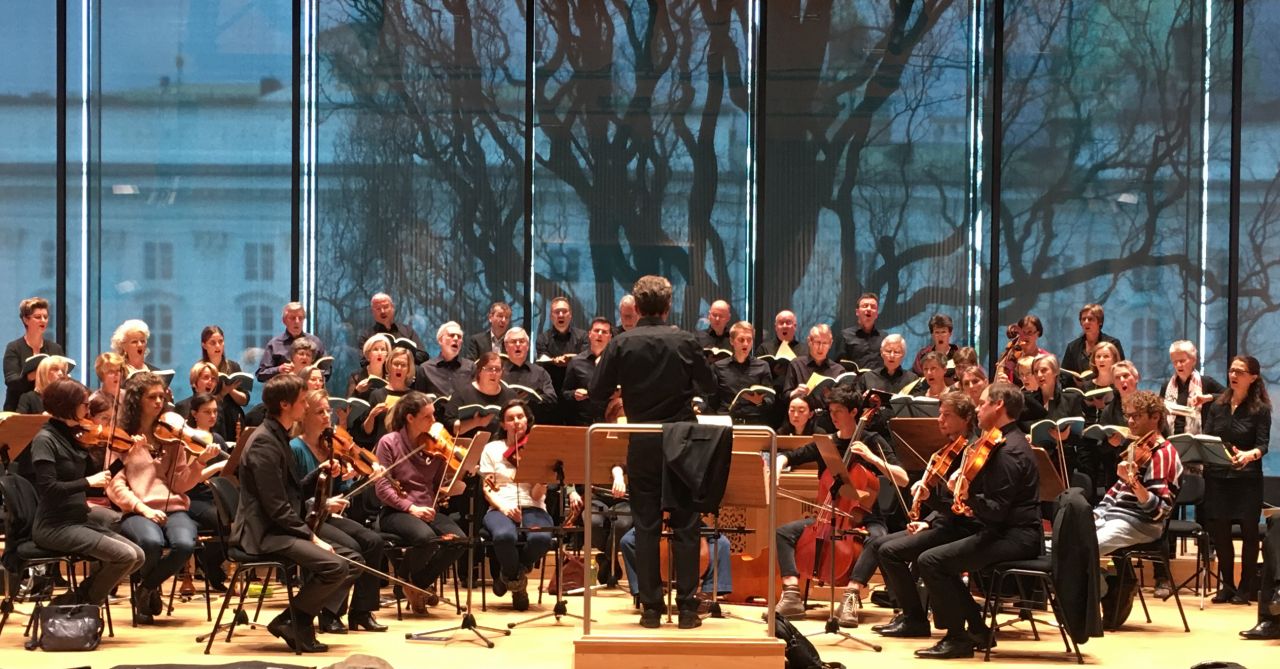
<point x="834" y="533"/>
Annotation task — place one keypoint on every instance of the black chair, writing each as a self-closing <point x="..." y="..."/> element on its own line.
<point x="1153" y="551"/>
<point x="1190" y="494"/>
<point x="226" y="497"/>
<point x="22" y="555"/>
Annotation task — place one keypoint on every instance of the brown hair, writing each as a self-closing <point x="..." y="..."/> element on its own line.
<point x="961" y="405"/>
<point x="653" y="295"/>
<point x="1008" y="394"/>
<point x="1094" y="310"/>
<point x="280" y="389"/>
<point x="409" y="405"/>
<point x="63" y="396"/>
<point x="1145" y="401"/>
<point x="29" y="306"/>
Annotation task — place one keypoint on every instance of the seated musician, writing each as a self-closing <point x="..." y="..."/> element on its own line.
<point x="205" y="409"/>
<point x="741" y="371"/>
<point x="515" y="508"/>
<point x="519" y="370"/>
<point x="151" y="491"/>
<point x="310" y="454"/>
<point x="410" y="512"/>
<point x="875" y="454"/>
<point x="717" y="578"/>
<point x="957" y="419"/>
<point x="1004" y="497"/>
<point x="574" y="396"/>
<point x="269" y="520"/>
<point x="800" y="419"/>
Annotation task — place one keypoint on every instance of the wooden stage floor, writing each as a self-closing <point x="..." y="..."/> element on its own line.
<point x="547" y="644"/>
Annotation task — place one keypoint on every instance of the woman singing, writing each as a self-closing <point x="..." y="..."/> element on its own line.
<point x="231" y="397"/>
<point x="109" y="368"/>
<point x="49" y="370"/>
<point x="367" y="428"/>
<point x="34" y="312"/>
<point x="485" y="390"/>
<point x="130" y="341"/>
<point x="63" y="473"/>
<point x="1241" y="416"/>
<point x="376" y="349"/>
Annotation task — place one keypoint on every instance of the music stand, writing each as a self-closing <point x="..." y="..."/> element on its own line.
<point x="1051" y="484"/>
<point x="921" y="438"/>
<point x="546" y="458"/>
<point x="747" y="488"/>
<point x="468" y="622"/>
<point x="841" y="479"/>
<point x="16" y="432"/>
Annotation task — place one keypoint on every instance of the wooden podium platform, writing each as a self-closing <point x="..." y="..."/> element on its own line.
<point x="675" y="651"/>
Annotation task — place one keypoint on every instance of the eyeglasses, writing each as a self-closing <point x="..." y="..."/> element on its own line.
<point x="495" y="370"/>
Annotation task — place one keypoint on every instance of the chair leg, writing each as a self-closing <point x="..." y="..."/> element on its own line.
<point x="1176" y="599"/>
<point x="222" y="610"/>
<point x="262" y="592"/>
<point x="1142" y="599"/>
<point x="997" y="581"/>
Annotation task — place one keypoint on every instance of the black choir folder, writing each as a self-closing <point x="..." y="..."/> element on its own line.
<point x="472" y="410"/>
<point x="243" y="381"/>
<point x="1040" y="430"/>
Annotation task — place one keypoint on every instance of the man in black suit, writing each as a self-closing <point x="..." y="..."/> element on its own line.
<point x="269" y="518"/>
<point x="491" y="339"/>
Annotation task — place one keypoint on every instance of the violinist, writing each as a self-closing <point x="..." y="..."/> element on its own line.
<point x="232" y="398"/>
<point x="514" y="508"/>
<point x="1241" y="416"/>
<point x="1004" y="498"/>
<point x="874" y="453"/>
<point x="311" y="454"/>
<point x="34" y="313"/>
<point x="410" y="512"/>
<point x="151" y="491"/>
<point x="1134" y="508"/>
<point x="63" y="472"/>
<point x="269" y="519"/>
<point x="958" y="423"/>
<point x="101" y="512"/>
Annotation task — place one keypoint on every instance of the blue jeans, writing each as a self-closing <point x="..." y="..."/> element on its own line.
<point x="719" y="553"/>
<point x="511" y="561"/>
<point x="178" y="533"/>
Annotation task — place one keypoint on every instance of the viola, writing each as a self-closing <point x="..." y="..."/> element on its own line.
<point x="346" y="450"/>
<point x="437" y="442"/>
<point x="936" y="471"/>
<point x="975" y="458"/>
<point x="89" y="433"/>
<point x="1139" y="451"/>
<point x="170" y="429"/>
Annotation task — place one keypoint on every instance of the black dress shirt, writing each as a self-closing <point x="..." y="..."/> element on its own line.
<point x="553" y="343"/>
<point x="731" y="377"/>
<point x="709" y="339"/>
<point x="1006" y="492"/>
<point x="578" y="375"/>
<point x="1244" y="429"/>
<point x="397" y="331"/>
<point x="15" y="382"/>
<point x="468" y="393"/>
<point x="800" y="369"/>
<point x="861" y="346"/>
<point x="879" y="378"/>
<point x="771" y="346"/>
<point x="440" y="377"/>
<point x="1075" y="358"/>
<point x="660" y="369"/>
<point x="533" y="376"/>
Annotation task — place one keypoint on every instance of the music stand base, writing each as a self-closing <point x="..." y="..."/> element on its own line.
<point x="833" y="627"/>
<point x="560" y="610"/>
<point x="468" y="623"/>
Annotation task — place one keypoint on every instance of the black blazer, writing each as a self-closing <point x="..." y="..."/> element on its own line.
<point x="477" y="345"/>
<point x="269" y="517"/>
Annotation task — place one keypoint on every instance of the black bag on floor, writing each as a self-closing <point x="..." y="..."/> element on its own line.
<point x="67" y="627"/>
<point x="800" y="653"/>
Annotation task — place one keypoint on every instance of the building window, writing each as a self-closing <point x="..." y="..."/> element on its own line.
<point x="48" y="259"/>
<point x="259" y="262"/>
<point x="258" y="324"/>
<point x="157" y="260"/>
<point x="159" y="318"/>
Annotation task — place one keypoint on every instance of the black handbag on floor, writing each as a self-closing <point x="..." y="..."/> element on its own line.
<point x="67" y="627"/>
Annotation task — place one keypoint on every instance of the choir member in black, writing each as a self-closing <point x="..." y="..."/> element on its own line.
<point x="933" y="378"/>
<point x="1079" y="352"/>
<point x="1049" y="401"/>
<point x="443" y="373"/>
<point x="470" y="409"/>
<point x="109" y="368"/>
<point x="888" y="374"/>
<point x="660" y="369"/>
<point x="957" y="417"/>
<point x="374" y="351"/>
<point x="741" y="371"/>
<point x="314" y="378"/>
<point x="1005" y="499"/>
<point x="64" y="470"/>
<point x="269" y="520"/>
<point x="872" y="452"/>
<point x="34" y="312"/>
<point x="492" y="339"/>
<point x="940" y="331"/>
<point x="862" y="342"/>
<point x="204" y="416"/>
<point x="627" y="314"/>
<point x="815" y="362"/>
<point x="575" y="397"/>
<point x="1188" y="388"/>
<point x="1268" y="626"/>
<point x="276" y="354"/>
<point x="784" y="330"/>
<point x="368" y="426"/>
<point x="130" y="340"/>
<point x="518" y="370"/>
<point x="49" y="370"/>
<point x="410" y="512"/>
<point x="310" y="457"/>
<point x="561" y="342"/>
<point x="800" y="419"/>
<point x="717" y="333"/>
<point x="972" y="381"/>
<point x="1241" y="416"/>
<point x="384" y="322"/>
<point x="232" y="398"/>
<point x="1125" y="379"/>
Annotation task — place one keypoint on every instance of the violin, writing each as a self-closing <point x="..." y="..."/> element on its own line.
<point x="346" y="449"/>
<point x="975" y="458"/>
<point x="936" y="471"/>
<point x="89" y="433"/>
<point x="1139" y="450"/>
<point x="170" y="429"/>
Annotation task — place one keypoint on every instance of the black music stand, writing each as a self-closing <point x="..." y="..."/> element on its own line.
<point x="545" y="458"/>
<point x="841" y="479"/>
<point x="468" y="622"/>
<point x="746" y="488"/>
<point x="16" y="432"/>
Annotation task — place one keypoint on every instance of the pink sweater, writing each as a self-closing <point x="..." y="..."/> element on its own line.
<point x="158" y="483"/>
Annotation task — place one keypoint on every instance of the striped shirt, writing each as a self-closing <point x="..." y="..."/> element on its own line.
<point x="1160" y="477"/>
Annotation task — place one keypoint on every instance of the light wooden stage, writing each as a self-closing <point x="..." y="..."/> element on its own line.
<point x="546" y="644"/>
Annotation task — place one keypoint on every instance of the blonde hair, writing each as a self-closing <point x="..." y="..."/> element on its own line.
<point x="105" y="361"/>
<point x="199" y="368"/>
<point x="44" y="371"/>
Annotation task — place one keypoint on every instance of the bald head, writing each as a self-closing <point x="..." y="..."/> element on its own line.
<point x="718" y="316"/>
<point x="784" y="325"/>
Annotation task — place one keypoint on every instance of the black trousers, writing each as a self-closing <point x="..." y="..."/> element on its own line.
<point x="213" y="553"/>
<point x="898" y="552"/>
<point x="863" y="568"/>
<point x="941" y="568"/>
<point x="644" y="469"/>
<point x="340" y="531"/>
<point x="426" y="558"/>
<point x="1270" y="570"/>
<point x="326" y="578"/>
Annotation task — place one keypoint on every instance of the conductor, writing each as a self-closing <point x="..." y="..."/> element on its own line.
<point x="659" y="370"/>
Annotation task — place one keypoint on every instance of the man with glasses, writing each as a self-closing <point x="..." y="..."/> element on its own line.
<point x="530" y="381"/>
<point x="441" y="374"/>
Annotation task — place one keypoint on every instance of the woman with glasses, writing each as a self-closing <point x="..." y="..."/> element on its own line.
<point x="477" y="405"/>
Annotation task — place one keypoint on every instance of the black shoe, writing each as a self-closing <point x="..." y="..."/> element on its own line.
<point x="431" y="597"/>
<point x="883" y="599"/>
<point x="520" y="600"/>
<point x="499" y="586"/>
<point x="143" y="618"/>
<point x="1223" y="595"/>
<point x="907" y="630"/>
<point x="1240" y="599"/>
<point x="331" y="624"/>
<point x="305" y="637"/>
<point x="948" y="648"/>
<point x="157" y="601"/>
<point x="67" y="598"/>
<point x="689" y="620"/>
<point x="651" y="618"/>
<point x="281" y="627"/>
<point x="980" y="634"/>
<point x="1266" y="629"/>
<point x="365" y="621"/>
<point x="217" y="586"/>
<point x="897" y="619"/>
<point x="1273" y="605"/>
